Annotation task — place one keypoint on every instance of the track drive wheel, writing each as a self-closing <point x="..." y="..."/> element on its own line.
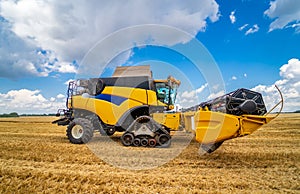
<point x="127" y="139"/>
<point x="80" y="131"/>
<point x="163" y="140"/>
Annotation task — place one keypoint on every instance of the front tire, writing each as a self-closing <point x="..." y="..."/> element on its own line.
<point x="80" y="131"/>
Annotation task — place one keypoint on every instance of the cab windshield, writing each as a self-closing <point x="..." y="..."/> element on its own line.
<point x="166" y="92"/>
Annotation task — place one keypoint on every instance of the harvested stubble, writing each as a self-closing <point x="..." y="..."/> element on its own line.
<point x="36" y="157"/>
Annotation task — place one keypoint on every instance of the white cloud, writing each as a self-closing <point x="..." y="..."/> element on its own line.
<point x="232" y="17"/>
<point x="243" y="27"/>
<point x="68" y="29"/>
<point x="67" y="82"/>
<point x="193" y="94"/>
<point x="28" y="101"/>
<point x="286" y="14"/>
<point x="245" y="74"/>
<point x="289" y="84"/>
<point x="65" y="67"/>
<point x="188" y="94"/>
<point x="215" y="95"/>
<point x="291" y="70"/>
<point x="21" y="57"/>
<point x="252" y="30"/>
<point x="296" y="26"/>
<point x="234" y="78"/>
<point x="121" y="58"/>
<point x="190" y="98"/>
<point x="60" y="96"/>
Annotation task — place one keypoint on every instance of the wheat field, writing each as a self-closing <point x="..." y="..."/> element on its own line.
<point x="36" y="157"/>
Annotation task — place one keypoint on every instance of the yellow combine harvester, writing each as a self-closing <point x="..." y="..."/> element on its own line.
<point x="132" y="102"/>
<point x="124" y="103"/>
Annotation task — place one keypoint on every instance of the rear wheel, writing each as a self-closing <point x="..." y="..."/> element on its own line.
<point x="79" y="131"/>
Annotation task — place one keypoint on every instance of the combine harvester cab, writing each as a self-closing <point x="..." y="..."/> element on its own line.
<point x="235" y="114"/>
<point x="124" y="102"/>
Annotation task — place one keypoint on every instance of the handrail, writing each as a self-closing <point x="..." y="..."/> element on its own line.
<point x="280" y="102"/>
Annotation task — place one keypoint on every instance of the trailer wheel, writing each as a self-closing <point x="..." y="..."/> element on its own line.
<point x="79" y="131"/>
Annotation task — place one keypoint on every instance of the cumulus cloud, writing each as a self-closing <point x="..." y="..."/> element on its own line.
<point x="190" y="98"/>
<point x="289" y="84"/>
<point x="60" y="96"/>
<point x="29" y="101"/>
<point x="234" y="78"/>
<point x="68" y="29"/>
<point x="286" y="13"/>
<point x="291" y="70"/>
<point x="193" y="94"/>
<point x="232" y="17"/>
<point x="252" y="30"/>
<point x="20" y="57"/>
<point x="215" y="95"/>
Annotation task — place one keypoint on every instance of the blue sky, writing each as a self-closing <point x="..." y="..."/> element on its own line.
<point x="254" y="44"/>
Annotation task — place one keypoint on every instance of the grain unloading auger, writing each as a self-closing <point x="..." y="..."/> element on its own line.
<point x="233" y="115"/>
<point x="133" y="103"/>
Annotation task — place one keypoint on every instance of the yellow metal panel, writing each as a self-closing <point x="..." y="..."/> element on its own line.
<point x="250" y="123"/>
<point x="108" y="112"/>
<point x="111" y="113"/>
<point x="152" y="99"/>
<point x="170" y="120"/>
<point x="215" y="127"/>
<point x="79" y="102"/>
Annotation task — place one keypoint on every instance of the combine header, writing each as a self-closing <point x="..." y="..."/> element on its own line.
<point x="236" y="114"/>
<point x="133" y="103"/>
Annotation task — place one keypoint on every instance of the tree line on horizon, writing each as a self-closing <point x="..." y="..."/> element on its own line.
<point x="15" y="114"/>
